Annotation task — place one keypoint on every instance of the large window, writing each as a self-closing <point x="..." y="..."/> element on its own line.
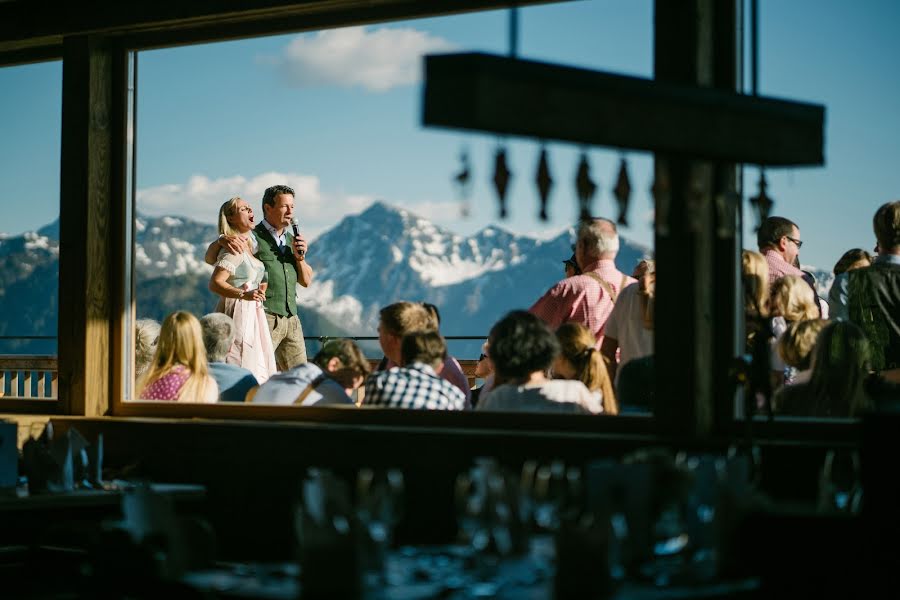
<point x="30" y="112"/>
<point x="335" y="114"/>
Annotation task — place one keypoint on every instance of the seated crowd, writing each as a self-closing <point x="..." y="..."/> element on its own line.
<point x="585" y="346"/>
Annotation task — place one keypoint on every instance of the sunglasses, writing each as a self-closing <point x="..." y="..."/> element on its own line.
<point x="796" y="241"/>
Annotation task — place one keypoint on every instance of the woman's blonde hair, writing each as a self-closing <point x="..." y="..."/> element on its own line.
<point x="180" y="343"/>
<point x="228" y="210"/>
<point x="755" y="276"/>
<point x="577" y="345"/>
<point x="797" y="343"/>
<point x="794" y="299"/>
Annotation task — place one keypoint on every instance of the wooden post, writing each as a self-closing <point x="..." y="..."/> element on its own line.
<point x="693" y="41"/>
<point x="86" y="180"/>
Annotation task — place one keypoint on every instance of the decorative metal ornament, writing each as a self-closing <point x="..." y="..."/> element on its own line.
<point x="585" y="187"/>
<point x="661" y="196"/>
<point x="544" y="183"/>
<point x="501" y="179"/>
<point x="761" y="202"/>
<point x="622" y="192"/>
<point x="463" y="182"/>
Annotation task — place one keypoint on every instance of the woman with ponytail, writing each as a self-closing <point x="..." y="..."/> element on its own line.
<point x="581" y="361"/>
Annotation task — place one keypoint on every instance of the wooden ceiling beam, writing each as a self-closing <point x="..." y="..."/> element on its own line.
<point x="506" y="96"/>
<point x="23" y="24"/>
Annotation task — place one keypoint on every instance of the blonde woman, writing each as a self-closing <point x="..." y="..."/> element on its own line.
<point x="179" y="371"/>
<point x="628" y="334"/>
<point x="792" y="300"/>
<point x="239" y="279"/>
<point x="755" y="279"/>
<point x="796" y="345"/>
<point x="580" y="360"/>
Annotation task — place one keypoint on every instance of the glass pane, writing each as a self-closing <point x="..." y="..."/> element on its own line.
<point x="336" y="116"/>
<point x="843" y="59"/>
<point x="30" y="119"/>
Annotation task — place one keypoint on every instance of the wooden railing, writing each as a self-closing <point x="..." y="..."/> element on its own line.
<point x="36" y="377"/>
<point x="28" y="377"/>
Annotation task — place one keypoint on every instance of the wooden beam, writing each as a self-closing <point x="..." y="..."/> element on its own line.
<point x="496" y="94"/>
<point x="85" y="255"/>
<point x="696" y="241"/>
<point x="24" y="23"/>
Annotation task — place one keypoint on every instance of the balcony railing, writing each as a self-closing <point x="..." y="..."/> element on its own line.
<point x="29" y="377"/>
<point x="36" y="377"/>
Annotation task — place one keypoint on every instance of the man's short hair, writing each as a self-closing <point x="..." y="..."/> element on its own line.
<point x="521" y="344"/>
<point x="426" y="347"/>
<point x="887" y="226"/>
<point x="772" y="230"/>
<point x="401" y="318"/>
<point x="218" y="335"/>
<point x="275" y="190"/>
<point x="598" y="237"/>
<point x="347" y="352"/>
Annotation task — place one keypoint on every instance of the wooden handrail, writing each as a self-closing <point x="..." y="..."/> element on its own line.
<point x="22" y="370"/>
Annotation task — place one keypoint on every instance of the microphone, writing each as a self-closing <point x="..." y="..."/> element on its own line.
<point x="296" y="229"/>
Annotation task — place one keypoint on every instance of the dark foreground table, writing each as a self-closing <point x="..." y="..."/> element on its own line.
<point x="451" y="572"/>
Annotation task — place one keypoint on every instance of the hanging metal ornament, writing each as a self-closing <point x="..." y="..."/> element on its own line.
<point x="661" y="196"/>
<point x="761" y="202"/>
<point x="463" y="182"/>
<point x="501" y="179"/>
<point x="544" y="182"/>
<point x="622" y="192"/>
<point x="585" y="187"/>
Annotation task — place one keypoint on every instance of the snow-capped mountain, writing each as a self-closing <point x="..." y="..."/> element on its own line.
<point x="388" y="254"/>
<point x="366" y="261"/>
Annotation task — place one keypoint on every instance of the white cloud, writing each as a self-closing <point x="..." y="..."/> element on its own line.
<point x="439" y="212"/>
<point x="374" y="59"/>
<point x="200" y="197"/>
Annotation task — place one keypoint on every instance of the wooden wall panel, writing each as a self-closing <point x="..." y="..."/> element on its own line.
<point x="85" y="238"/>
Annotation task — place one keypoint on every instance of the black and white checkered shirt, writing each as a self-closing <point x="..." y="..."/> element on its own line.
<point x="415" y="386"/>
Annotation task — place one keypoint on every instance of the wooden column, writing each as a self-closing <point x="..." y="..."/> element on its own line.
<point x="694" y="233"/>
<point x="89" y="176"/>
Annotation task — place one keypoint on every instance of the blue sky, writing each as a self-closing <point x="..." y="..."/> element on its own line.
<point x="337" y="114"/>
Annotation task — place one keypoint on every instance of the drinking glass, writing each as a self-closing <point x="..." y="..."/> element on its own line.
<point x="264" y="282"/>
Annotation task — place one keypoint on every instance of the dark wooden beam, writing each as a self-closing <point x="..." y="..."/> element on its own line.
<point x="24" y="23"/>
<point x="487" y="93"/>
<point x="91" y="140"/>
<point x="696" y="237"/>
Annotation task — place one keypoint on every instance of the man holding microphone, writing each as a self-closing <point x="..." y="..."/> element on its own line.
<point x="278" y="243"/>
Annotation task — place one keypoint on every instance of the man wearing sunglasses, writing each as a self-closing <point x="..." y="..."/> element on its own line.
<point x="779" y="241"/>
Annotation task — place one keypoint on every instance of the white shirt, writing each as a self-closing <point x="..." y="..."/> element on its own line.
<point x="280" y="239"/>
<point x="626" y="325"/>
<point x="555" y="395"/>
<point x="286" y="386"/>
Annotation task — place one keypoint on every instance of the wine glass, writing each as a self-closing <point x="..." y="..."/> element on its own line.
<point x="264" y="282"/>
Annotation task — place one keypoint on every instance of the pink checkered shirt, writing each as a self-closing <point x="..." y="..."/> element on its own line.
<point x="582" y="299"/>
<point x="778" y="267"/>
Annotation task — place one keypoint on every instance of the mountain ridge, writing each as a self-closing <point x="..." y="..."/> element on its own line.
<point x="366" y="261"/>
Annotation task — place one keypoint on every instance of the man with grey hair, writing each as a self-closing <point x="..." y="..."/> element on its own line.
<point x="587" y="298"/>
<point x="218" y="336"/>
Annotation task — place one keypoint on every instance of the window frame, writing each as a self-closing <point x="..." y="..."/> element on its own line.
<point x="130" y="35"/>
